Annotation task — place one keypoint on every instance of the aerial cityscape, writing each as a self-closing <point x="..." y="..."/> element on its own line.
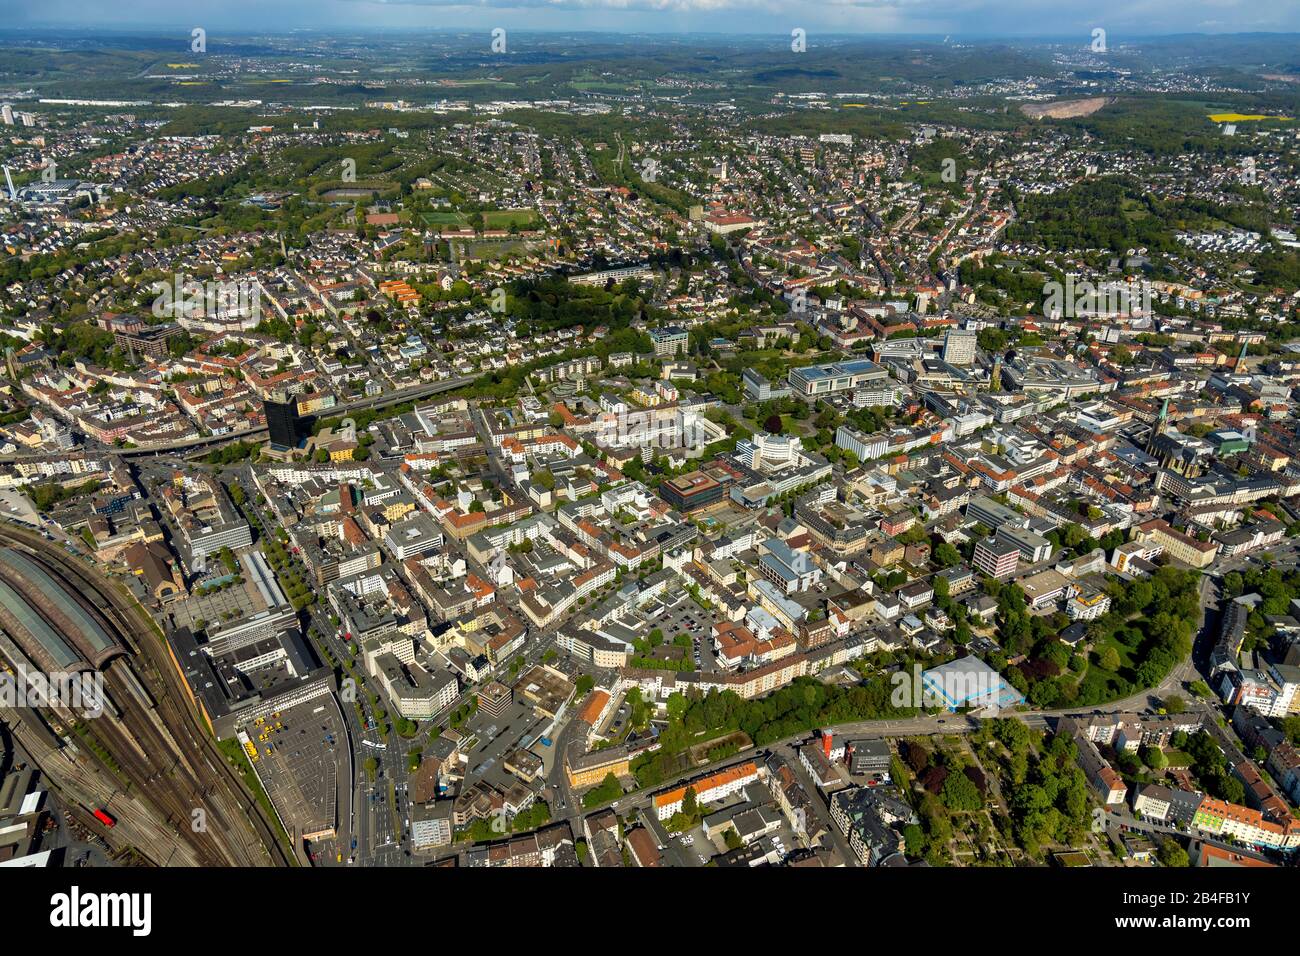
<point x="471" y="448"/>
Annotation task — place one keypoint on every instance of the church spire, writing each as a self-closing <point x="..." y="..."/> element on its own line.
<point x="1158" y="428"/>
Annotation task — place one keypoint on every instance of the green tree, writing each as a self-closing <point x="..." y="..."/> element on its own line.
<point x="1154" y="758"/>
<point x="608" y="789"/>
<point x="1172" y="854"/>
<point x="945" y="555"/>
<point x="960" y="794"/>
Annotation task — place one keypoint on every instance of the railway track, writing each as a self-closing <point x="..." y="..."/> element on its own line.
<point x="167" y="755"/>
<point x="83" y="782"/>
<point x="235" y="807"/>
<point x="165" y="780"/>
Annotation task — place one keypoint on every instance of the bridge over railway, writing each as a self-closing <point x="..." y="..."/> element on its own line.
<point x="209" y="442"/>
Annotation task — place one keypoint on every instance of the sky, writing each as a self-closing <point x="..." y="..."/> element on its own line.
<point x="974" y="18"/>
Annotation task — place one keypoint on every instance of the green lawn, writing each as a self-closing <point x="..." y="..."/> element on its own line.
<point x="1125" y="653"/>
<point x="505" y="218"/>
<point x="601" y="87"/>
<point x="443" y="219"/>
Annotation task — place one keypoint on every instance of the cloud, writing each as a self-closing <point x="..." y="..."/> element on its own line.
<point x="1021" y="17"/>
<point x="984" y="18"/>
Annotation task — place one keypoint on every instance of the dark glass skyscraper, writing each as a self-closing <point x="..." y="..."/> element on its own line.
<point x="282" y="423"/>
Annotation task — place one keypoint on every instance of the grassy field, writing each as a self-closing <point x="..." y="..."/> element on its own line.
<point x="1125" y="653"/>
<point x="492" y="219"/>
<point x="599" y="86"/>
<point x="505" y="218"/>
<point x="494" y="249"/>
<point x="443" y="219"/>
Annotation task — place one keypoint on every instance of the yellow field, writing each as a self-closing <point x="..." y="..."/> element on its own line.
<point x="182" y="66"/>
<point x="1244" y="117"/>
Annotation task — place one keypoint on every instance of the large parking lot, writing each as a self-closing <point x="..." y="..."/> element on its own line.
<point x="679" y="614"/>
<point x="302" y="760"/>
<point x="497" y="737"/>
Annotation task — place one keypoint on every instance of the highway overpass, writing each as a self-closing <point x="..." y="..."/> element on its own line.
<point x="205" y="442"/>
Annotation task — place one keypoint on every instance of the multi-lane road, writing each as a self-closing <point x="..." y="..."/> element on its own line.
<point x="181" y="770"/>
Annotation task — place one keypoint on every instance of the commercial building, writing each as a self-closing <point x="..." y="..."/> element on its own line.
<point x="1166" y="805"/>
<point x="691" y="492"/>
<point x="493" y="699"/>
<point x="206" y="518"/>
<point x="869" y="757"/>
<point x="766" y="452"/>
<point x="864" y="447"/>
<point x="1033" y="547"/>
<point x="1045" y="374"/>
<point x="1046" y="588"/>
<point x="789" y="570"/>
<point x="841" y="527"/>
<point x="969" y="682"/>
<point x="959" y="347"/>
<point x="992" y="514"/>
<point x="997" y="559"/>
<point x="759" y="389"/>
<point x="431" y="825"/>
<point x="818" y="381"/>
<point x="282" y="423"/>
<point x="592" y="647"/>
<point x="416" y="693"/>
<point x="414" y="536"/>
<point x="670" y="341"/>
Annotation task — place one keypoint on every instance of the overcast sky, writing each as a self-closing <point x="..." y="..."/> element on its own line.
<point x="987" y="18"/>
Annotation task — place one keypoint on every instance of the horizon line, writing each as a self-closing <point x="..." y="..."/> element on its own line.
<point x="161" y="28"/>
